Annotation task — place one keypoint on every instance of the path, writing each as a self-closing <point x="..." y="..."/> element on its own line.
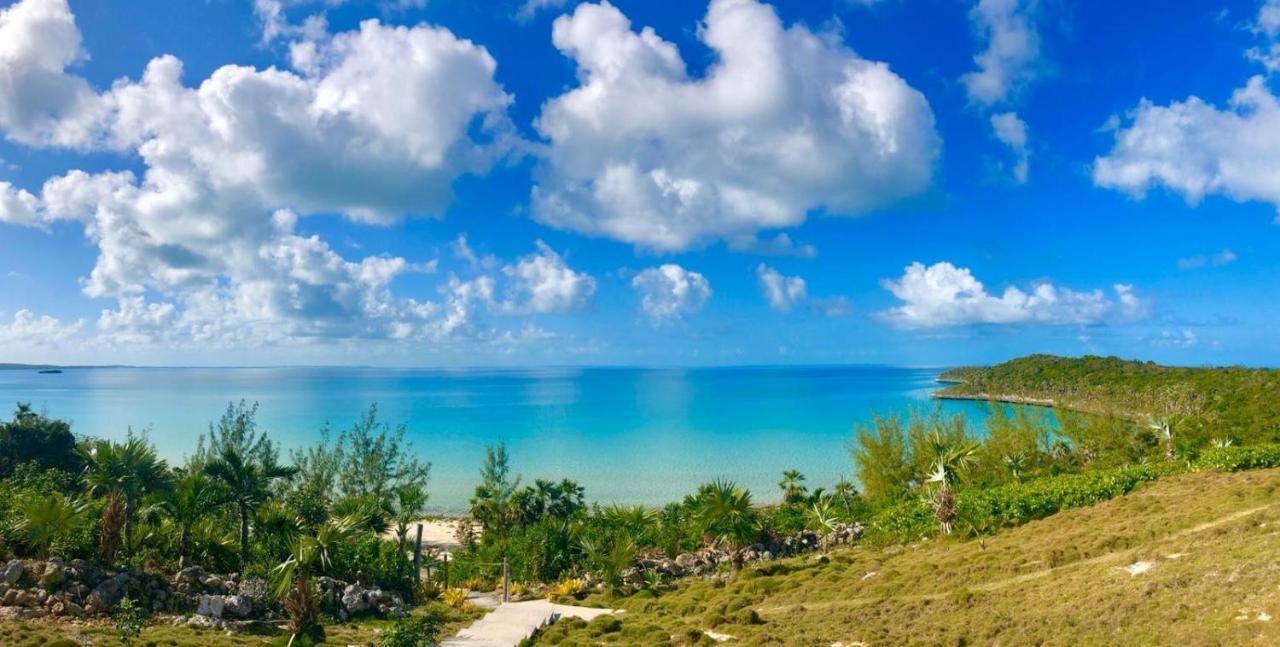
<point x="1017" y="579"/>
<point x="512" y="622"/>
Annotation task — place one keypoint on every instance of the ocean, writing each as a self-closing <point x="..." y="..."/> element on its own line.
<point x="628" y="435"/>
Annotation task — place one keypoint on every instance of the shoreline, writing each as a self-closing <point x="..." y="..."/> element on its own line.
<point x="1004" y="399"/>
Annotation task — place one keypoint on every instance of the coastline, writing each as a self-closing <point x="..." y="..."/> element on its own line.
<point x="985" y="397"/>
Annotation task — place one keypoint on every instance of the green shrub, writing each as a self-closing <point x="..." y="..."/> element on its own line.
<point x="417" y="631"/>
<point x="1014" y="504"/>
<point x="1232" y="459"/>
<point x="910" y="520"/>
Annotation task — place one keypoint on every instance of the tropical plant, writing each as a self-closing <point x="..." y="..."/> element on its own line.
<point x="193" y="497"/>
<point x="123" y="473"/>
<point x="566" y="588"/>
<point x="246" y="476"/>
<point x="726" y="515"/>
<point x="456" y="599"/>
<point x="609" y="557"/>
<point x="46" y="518"/>
<point x="793" y="490"/>
<point x="949" y="463"/>
<point x="415" y="631"/>
<point x="492" y="503"/>
<point x="410" y="505"/>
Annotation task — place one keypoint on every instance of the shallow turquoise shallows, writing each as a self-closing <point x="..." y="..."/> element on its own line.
<point x="627" y="435"/>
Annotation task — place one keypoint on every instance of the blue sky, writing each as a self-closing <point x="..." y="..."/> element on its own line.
<point x="460" y="183"/>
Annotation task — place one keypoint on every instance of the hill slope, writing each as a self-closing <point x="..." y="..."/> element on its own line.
<point x="1190" y="559"/>
<point x="1238" y="400"/>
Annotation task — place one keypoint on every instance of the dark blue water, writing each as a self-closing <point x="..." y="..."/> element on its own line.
<point x="628" y="435"/>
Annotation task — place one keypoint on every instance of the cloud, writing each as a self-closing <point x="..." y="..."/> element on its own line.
<point x="38" y="41"/>
<point x="1012" y="47"/>
<point x="27" y="331"/>
<point x="375" y="123"/>
<point x="542" y="283"/>
<point x="670" y="291"/>
<point x="942" y="295"/>
<point x="1195" y="149"/>
<point x="531" y="8"/>
<point x="1224" y="257"/>
<point x="18" y="207"/>
<point x="783" y="292"/>
<point x="784" y="121"/>
<point x="1012" y="132"/>
<point x="1184" y="338"/>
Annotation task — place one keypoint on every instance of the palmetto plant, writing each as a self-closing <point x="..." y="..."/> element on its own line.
<point x="725" y="514"/>
<point x="45" y="519"/>
<point x="247" y="481"/>
<point x="610" y="558"/>
<point x="949" y="464"/>
<point x="792" y="486"/>
<point x="846" y="494"/>
<point x="124" y="473"/>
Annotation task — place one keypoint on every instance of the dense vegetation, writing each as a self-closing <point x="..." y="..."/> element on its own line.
<point x="1233" y="403"/>
<point x="232" y="506"/>
<point x="342" y="508"/>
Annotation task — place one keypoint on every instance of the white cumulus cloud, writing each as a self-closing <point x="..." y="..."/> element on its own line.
<point x="670" y="291"/>
<point x="542" y="282"/>
<point x="782" y="292"/>
<point x="27" y="330"/>
<point x="783" y="122"/>
<point x="945" y="295"/>
<point x="1012" y="132"/>
<point x="1196" y="149"/>
<point x="1012" y="46"/>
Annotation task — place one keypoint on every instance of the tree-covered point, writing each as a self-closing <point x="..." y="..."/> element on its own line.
<point x="1233" y="403"/>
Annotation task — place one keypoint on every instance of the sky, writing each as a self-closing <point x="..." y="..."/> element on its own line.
<point x="545" y="182"/>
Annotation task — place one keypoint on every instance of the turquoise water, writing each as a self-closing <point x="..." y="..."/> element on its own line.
<point x="628" y="435"/>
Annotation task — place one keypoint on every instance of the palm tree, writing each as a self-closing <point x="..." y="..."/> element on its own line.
<point x="792" y="490"/>
<point x="247" y="481"/>
<point x="192" y="498"/>
<point x="845" y="492"/>
<point x="410" y="504"/>
<point x="292" y="578"/>
<point x="724" y="511"/>
<point x="1165" y="430"/>
<point x="123" y="473"/>
<point x="949" y="463"/>
<point x="47" y="518"/>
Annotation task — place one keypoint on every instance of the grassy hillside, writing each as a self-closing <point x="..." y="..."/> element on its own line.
<point x="1237" y="401"/>
<point x="1190" y="559"/>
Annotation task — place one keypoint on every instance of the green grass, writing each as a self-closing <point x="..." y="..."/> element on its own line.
<point x="1211" y="540"/>
<point x="159" y="633"/>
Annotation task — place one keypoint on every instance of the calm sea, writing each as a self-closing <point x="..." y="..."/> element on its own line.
<point x="628" y="435"/>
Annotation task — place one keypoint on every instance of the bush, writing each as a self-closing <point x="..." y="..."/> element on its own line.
<point x="1011" y="505"/>
<point x="911" y="520"/>
<point x="381" y="561"/>
<point x="418" y="631"/>
<point x="456" y="599"/>
<point x="1232" y="459"/>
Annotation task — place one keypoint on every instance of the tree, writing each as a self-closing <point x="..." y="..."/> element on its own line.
<point x="292" y="578"/>
<point x="882" y="460"/>
<point x="847" y="495"/>
<point x="725" y="514"/>
<point x="410" y="505"/>
<point x="31" y="437"/>
<point x="949" y="463"/>
<point x="122" y="473"/>
<point x="792" y="489"/>
<point x="247" y="479"/>
<point x="193" y="497"/>
<point x="377" y="461"/>
<point x="492" y="503"/>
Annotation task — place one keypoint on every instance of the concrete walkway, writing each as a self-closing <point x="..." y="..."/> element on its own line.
<point x="512" y="622"/>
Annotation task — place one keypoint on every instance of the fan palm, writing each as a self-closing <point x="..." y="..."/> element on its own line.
<point x="124" y="473"/>
<point x="247" y="480"/>
<point x="44" y="519"/>
<point x="792" y="489"/>
<point x="726" y="516"/>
